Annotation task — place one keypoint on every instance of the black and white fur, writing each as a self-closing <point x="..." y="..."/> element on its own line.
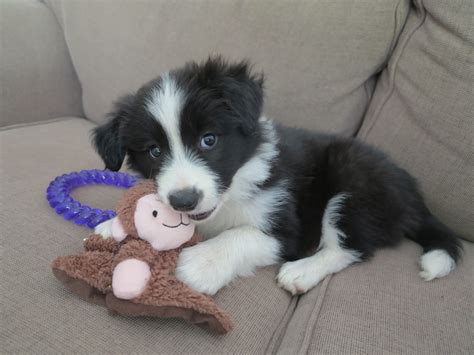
<point x="268" y="193"/>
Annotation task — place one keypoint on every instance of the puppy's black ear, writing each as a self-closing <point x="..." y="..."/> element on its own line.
<point x="107" y="137"/>
<point x="245" y="95"/>
<point x="241" y="89"/>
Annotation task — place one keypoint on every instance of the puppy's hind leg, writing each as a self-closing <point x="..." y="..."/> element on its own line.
<point x="301" y="275"/>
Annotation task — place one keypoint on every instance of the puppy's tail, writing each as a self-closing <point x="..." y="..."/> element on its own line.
<point x="441" y="248"/>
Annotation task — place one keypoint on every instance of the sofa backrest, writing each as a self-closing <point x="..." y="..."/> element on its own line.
<point x="320" y="57"/>
<point x="422" y="111"/>
<point x="37" y="79"/>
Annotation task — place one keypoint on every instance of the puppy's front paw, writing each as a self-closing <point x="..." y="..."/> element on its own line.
<point x="203" y="269"/>
<point x="296" y="277"/>
<point x="104" y="229"/>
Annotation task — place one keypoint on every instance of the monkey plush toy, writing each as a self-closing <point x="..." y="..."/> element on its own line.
<point x="132" y="273"/>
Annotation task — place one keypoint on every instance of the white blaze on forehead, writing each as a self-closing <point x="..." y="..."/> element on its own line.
<point x="182" y="169"/>
<point x="165" y="105"/>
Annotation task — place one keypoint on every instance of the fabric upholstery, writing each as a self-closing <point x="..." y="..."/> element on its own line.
<point x="383" y="307"/>
<point x="37" y="79"/>
<point x="40" y="316"/>
<point x="320" y="57"/>
<point x="422" y="110"/>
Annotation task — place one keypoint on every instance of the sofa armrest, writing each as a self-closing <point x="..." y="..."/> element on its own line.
<point x="37" y="78"/>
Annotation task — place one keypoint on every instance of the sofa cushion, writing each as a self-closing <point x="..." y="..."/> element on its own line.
<point x="39" y="315"/>
<point x="320" y="57"/>
<point x="382" y="306"/>
<point x="37" y="79"/>
<point x="422" y="109"/>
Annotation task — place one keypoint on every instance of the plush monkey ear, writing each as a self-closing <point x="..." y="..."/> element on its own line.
<point x="118" y="233"/>
<point x="106" y="138"/>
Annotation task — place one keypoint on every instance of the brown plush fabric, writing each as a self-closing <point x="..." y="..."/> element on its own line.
<point x="203" y="320"/>
<point x="128" y="204"/>
<point x="80" y="287"/>
<point x="89" y="274"/>
<point x="94" y="267"/>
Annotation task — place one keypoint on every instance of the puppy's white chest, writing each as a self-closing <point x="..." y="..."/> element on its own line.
<point x="256" y="212"/>
<point x="231" y="215"/>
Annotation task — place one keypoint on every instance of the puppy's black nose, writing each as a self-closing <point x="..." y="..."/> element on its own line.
<point x="184" y="200"/>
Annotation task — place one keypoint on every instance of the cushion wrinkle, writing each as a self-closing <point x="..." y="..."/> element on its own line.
<point x="393" y="72"/>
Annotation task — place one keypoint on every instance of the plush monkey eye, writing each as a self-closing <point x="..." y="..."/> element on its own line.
<point x="208" y="141"/>
<point x="155" y="213"/>
<point x="155" y="151"/>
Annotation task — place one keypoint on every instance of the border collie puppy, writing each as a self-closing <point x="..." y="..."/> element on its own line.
<point x="261" y="193"/>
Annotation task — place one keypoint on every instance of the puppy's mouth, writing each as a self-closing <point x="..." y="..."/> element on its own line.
<point x="201" y="216"/>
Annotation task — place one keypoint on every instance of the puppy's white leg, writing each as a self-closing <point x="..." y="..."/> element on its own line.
<point x="104" y="229"/>
<point x="212" y="264"/>
<point x="301" y="275"/>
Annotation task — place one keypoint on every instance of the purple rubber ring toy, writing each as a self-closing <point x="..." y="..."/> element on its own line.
<point x="59" y="199"/>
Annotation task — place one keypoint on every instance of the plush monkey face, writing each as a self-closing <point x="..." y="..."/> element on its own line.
<point x="161" y="226"/>
<point x="153" y="221"/>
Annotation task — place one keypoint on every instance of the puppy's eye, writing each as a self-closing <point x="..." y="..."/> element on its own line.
<point x="208" y="141"/>
<point x="155" y="151"/>
<point x="155" y="213"/>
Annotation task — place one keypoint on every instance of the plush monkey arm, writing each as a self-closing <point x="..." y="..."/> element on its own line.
<point x="96" y="243"/>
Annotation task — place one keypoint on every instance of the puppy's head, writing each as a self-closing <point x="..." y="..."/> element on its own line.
<point x="190" y="129"/>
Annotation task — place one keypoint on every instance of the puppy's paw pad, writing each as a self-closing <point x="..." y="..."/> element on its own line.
<point x="294" y="277"/>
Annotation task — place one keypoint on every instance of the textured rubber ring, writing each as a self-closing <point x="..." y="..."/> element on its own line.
<point x="58" y="195"/>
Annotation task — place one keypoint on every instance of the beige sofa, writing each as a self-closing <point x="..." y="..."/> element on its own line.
<point x="397" y="74"/>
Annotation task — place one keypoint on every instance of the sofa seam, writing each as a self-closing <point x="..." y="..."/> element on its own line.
<point x="314" y="316"/>
<point x="368" y="98"/>
<point x="277" y="336"/>
<point x="393" y="75"/>
<point x="39" y="123"/>
<point x="451" y="149"/>
<point x="396" y="37"/>
<point x="397" y="28"/>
